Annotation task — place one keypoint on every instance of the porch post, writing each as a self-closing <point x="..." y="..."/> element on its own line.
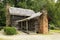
<point x="43" y="22"/>
<point x="27" y="26"/>
<point x="21" y="25"/>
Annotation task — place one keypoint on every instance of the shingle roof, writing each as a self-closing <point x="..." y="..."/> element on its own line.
<point x="20" y="11"/>
<point x="24" y="12"/>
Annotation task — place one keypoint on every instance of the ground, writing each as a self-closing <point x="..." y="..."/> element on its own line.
<point x="54" y="35"/>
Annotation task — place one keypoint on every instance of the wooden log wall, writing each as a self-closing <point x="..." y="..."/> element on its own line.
<point x="32" y="24"/>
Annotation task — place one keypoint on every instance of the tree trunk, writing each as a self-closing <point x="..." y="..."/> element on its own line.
<point x="7" y="15"/>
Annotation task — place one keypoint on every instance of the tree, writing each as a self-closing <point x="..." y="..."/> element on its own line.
<point x="8" y="3"/>
<point x="2" y="14"/>
<point x="57" y="13"/>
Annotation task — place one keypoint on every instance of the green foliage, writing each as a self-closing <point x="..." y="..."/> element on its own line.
<point x="10" y="2"/>
<point x="52" y="26"/>
<point x="10" y="30"/>
<point x="1" y="28"/>
<point x="22" y="5"/>
<point x="2" y="14"/>
<point x="57" y="13"/>
<point x="54" y="12"/>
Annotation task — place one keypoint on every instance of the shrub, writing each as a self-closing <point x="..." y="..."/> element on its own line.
<point x="10" y="30"/>
<point x="1" y="27"/>
<point x="52" y="26"/>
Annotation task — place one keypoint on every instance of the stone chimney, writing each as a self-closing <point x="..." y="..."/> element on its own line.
<point x="43" y="22"/>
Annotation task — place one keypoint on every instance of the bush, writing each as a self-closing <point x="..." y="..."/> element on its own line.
<point x="52" y="26"/>
<point x="10" y="30"/>
<point x="1" y="27"/>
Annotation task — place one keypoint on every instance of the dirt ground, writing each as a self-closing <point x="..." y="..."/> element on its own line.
<point x="24" y="36"/>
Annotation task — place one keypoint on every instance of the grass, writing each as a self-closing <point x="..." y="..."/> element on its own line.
<point x="54" y="31"/>
<point x="4" y="39"/>
<point x="51" y="32"/>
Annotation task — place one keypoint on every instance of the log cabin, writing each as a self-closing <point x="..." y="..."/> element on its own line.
<point x="27" y="20"/>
